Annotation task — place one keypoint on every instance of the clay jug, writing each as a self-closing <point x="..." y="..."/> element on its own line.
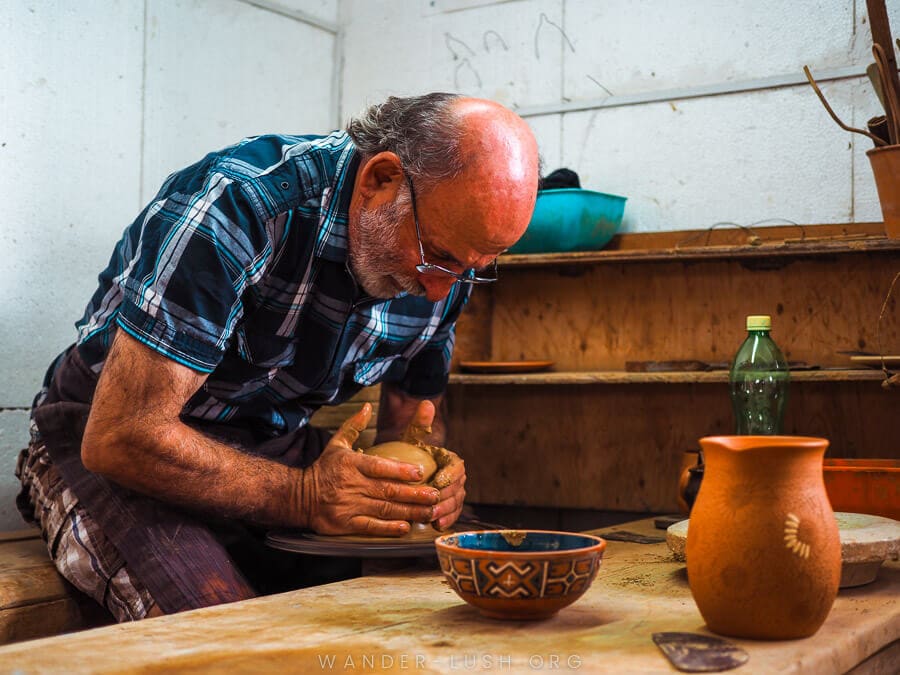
<point x="763" y="550"/>
<point x="885" y="163"/>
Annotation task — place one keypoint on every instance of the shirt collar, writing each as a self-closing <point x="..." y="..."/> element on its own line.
<point x="335" y="209"/>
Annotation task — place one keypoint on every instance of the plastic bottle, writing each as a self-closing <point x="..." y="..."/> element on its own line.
<point x="759" y="380"/>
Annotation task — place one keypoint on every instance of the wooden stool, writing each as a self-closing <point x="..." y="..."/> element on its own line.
<point x="35" y="600"/>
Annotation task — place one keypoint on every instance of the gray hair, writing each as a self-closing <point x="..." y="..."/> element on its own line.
<point x="422" y="130"/>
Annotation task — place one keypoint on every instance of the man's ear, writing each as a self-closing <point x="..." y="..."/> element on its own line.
<point x="381" y="176"/>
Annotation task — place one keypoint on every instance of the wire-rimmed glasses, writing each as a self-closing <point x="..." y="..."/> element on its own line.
<point x="486" y="275"/>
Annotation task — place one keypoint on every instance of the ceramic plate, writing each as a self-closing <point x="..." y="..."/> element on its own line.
<point x="866" y="542"/>
<point x="504" y="366"/>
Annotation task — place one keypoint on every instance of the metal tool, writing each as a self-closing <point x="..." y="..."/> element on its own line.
<point x="696" y="653"/>
<point x="632" y="537"/>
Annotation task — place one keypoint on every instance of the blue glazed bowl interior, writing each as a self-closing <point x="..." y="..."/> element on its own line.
<point x="534" y="542"/>
<point x="571" y="219"/>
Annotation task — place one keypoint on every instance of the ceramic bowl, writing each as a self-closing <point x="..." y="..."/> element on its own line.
<point x="519" y="574"/>
<point x="864" y="486"/>
<point x="571" y="219"/>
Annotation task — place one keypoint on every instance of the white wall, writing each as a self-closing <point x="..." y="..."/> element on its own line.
<point x="684" y="163"/>
<point x="99" y="101"/>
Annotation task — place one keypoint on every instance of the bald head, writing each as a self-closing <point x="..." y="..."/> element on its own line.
<point x="496" y="138"/>
<point x="499" y="159"/>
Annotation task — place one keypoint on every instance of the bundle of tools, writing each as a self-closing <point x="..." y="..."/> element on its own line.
<point x="882" y="129"/>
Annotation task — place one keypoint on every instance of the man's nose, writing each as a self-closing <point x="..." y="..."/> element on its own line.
<point x="436" y="288"/>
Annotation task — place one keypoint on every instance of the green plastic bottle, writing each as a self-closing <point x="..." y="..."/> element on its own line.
<point x="759" y="379"/>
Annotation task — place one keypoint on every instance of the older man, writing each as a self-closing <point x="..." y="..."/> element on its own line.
<point x="271" y="278"/>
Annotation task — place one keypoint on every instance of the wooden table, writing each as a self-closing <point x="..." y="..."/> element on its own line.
<point x="410" y="621"/>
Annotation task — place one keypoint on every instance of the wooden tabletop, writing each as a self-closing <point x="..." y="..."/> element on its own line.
<point x="411" y="621"/>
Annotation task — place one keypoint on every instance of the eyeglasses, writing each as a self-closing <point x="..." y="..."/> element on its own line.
<point x="469" y="276"/>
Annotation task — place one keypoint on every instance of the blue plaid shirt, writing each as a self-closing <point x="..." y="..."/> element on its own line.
<point x="238" y="268"/>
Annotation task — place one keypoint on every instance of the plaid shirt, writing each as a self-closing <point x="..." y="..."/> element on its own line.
<point x="238" y="268"/>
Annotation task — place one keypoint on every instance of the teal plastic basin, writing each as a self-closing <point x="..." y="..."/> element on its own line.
<point x="571" y="219"/>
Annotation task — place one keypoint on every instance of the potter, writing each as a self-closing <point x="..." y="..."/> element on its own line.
<point x="275" y="276"/>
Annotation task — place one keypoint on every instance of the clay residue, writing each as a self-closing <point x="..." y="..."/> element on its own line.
<point x="416" y="434"/>
<point x="513" y="537"/>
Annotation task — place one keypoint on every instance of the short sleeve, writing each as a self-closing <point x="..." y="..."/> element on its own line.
<point x="427" y="373"/>
<point x="192" y="258"/>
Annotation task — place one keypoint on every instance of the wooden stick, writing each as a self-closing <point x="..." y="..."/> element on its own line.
<point x="891" y="103"/>
<point x="831" y="112"/>
<point x="880" y="26"/>
<point x="881" y="36"/>
<point x="887" y="374"/>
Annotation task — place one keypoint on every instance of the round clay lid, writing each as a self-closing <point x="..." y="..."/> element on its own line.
<point x="864" y="538"/>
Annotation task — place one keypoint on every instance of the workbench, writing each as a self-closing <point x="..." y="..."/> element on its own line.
<point x="409" y="620"/>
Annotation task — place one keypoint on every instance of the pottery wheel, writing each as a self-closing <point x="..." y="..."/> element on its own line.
<point x="418" y="543"/>
<point x="866" y="542"/>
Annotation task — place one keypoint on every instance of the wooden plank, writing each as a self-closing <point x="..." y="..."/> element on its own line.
<point x="35" y="601"/>
<point x="679" y="377"/>
<point x="784" y="249"/>
<point x="31" y="585"/>
<point x="15" y="535"/>
<point x="792" y="241"/>
<point x="45" y="619"/>
<point x="882" y="662"/>
<point x="27" y="575"/>
<point x="21" y="553"/>
<point x="610" y="314"/>
<point x="473" y="329"/>
<point x="733" y="235"/>
<point x="621" y="448"/>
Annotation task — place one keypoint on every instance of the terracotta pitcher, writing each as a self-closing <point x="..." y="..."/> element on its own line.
<point x="763" y="550"/>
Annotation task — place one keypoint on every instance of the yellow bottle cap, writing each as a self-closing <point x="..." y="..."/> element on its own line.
<point x="759" y="322"/>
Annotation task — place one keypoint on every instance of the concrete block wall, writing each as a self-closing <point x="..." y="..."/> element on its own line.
<point x="698" y="112"/>
<point x="99" y="101"/>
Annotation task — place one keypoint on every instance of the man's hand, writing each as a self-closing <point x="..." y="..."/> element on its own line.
<point x="347" y="492"/>
<point x="450" y="478"/>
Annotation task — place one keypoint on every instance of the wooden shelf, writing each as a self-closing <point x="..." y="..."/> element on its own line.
<point x="644" y="248"/>
<point x="622" y="377"/>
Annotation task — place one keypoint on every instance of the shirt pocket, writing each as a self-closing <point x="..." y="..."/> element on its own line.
<point x="264" y="349"/>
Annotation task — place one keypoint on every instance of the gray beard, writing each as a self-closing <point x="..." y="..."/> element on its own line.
<point x="373" y="256"/>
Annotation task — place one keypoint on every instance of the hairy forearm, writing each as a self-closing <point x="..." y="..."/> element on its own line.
<point x="135" y="436"/>
<point x="176" y="464"/>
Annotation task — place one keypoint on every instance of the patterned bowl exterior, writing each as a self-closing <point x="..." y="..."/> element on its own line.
<point x="511" y="584"/>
